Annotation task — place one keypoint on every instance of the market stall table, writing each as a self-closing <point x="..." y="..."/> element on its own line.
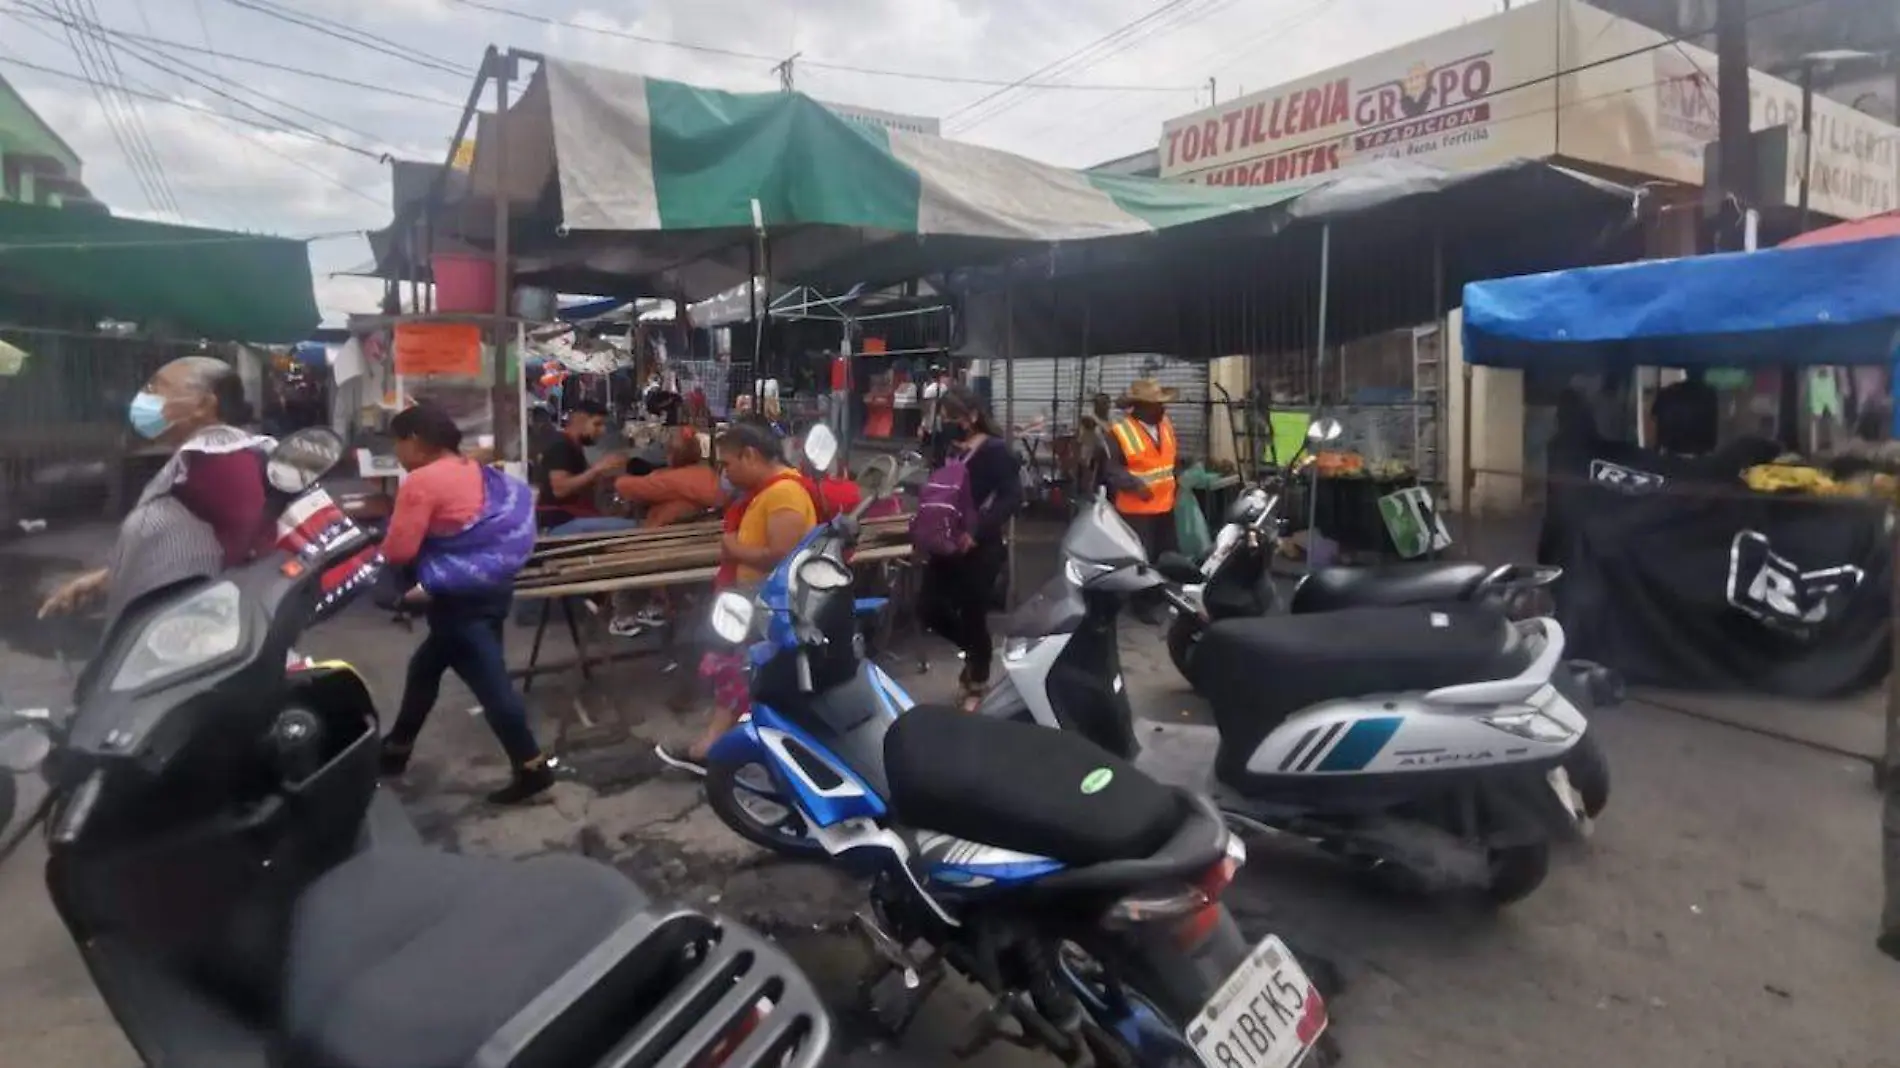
<point x="566" y="568"/>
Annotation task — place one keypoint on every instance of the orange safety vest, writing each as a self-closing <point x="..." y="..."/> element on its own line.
<point x="1150" y="461"/>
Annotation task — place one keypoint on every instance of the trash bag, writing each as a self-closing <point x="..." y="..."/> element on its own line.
<point x="1190" y="525"/>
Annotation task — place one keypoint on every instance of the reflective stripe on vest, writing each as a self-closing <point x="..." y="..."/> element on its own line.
<point x="1150" y="461"/>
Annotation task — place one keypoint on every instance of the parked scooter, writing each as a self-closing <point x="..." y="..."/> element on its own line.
<point x="1081" y="894"/>
<point x="245" y="896"/>
<point x="1425" y="742"/>
<point x="1235" y="578"/>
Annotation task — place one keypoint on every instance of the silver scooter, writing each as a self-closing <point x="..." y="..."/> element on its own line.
<point x="1425" y="743"/>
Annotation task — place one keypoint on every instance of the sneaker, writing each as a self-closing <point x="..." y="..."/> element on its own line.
<point x="527" y="784"/>
<point x="626" y="627"/>
<point x="680" y="758"/>
<point x="394" y="760"/>
<point x="651" y="616"/>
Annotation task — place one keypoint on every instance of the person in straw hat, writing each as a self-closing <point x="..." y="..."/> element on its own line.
<point x="1141" y="461"/>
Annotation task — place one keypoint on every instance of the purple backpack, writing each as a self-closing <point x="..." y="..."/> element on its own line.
<point x="946" y="509"/>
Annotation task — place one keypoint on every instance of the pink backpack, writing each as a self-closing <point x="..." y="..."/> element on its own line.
<point x="946" y="509"/>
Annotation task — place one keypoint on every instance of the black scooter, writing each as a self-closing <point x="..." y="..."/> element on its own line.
<point x="246" y="896"/>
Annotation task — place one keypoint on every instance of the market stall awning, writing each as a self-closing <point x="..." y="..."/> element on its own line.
<point x="615" y="175"/>
<point x="193" y="282"/>
<point x="1873" y="226"/>
<point x="1825" y="304"/>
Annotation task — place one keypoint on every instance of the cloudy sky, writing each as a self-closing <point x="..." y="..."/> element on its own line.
<point x="287" y="171"/>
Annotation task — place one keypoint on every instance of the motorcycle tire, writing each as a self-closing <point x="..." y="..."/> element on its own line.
<point x="1184" y="634"/>
<point x="1516" y="872"/>
<point x="1589" y="769"/>
<point x="722" y="796"/>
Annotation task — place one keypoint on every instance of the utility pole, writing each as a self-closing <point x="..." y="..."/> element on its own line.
<point x="784" y="71"/>
<point x="1212" y="97"/>
<point x="1737" y="151"/>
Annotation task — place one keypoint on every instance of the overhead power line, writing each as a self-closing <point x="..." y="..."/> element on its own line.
<point x="760" y="57"/>
<point x="1056" y="67"/>
<point x="167" y="44"/>
<point x="170" y="65"/>
<point x="120" y="117"/>
<point x="361" y="38"/>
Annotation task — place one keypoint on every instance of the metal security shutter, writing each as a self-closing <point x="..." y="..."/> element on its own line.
<point x="1035" y="383"/>
<point x="1113" y="374"/>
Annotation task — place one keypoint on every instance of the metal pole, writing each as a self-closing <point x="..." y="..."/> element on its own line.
<point x="1009" y="412"/>
<point x="1438" y="371"/>
<point x="1807" y="137"/>
<point x="1319" y="381"/>
<point x="504" y="72"/>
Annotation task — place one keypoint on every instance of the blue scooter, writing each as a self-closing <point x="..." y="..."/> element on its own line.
<point x="1081" y="894"/>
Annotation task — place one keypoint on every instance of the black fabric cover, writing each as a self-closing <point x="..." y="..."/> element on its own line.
<point x="1676" y="576"/>
<point x="1255" y="672"/>
<point x="412" y="958"/>
<point x="1018" y="786"/>
<point x="1329" y="589"/>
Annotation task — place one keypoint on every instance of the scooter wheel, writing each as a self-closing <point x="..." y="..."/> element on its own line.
<point x="730" y="798"/>
<point x="1517" y="871"/>
<point x="1183" y="635"/>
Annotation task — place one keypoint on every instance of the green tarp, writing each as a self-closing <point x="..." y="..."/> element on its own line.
<point x="193" y="282"/>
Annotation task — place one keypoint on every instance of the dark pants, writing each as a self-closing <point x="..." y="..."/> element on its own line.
<point x="955" y="602"/>
<point x="1157" y="533"/>
<point x="465" y="637"/>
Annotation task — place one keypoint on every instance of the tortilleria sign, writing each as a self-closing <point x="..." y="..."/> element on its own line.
<point x="1438" y="99"/>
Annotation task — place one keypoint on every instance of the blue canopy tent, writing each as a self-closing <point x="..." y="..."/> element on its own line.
<point x="1821" y="305"/>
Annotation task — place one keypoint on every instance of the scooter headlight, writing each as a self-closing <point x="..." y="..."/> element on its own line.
<point x="190" y="634"/>
<point x="1079" y="572"/>
<point x="1530" y="725"/>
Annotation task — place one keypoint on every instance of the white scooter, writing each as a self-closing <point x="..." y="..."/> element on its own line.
<point x="1425" y="743"/>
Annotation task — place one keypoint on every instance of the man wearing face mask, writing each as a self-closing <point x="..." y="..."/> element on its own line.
<point x="205" y="509"/>
<point x="569" y="483"/>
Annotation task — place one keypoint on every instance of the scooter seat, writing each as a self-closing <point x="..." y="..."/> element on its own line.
<point x="1026" y="788"/>
<point x="414" y="958"/>
<point x="1330" y="589"/>
<point x="1257" y="671"/>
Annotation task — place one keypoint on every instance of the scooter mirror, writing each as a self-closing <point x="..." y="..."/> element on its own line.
<point x="303" y="457"/>
<point x="877" y="478"/>
<point x="732" y="616"/>
<point x="23" y="746"/>
<point x="821" y="447"/>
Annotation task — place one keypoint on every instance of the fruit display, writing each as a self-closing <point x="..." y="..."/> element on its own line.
<point x="1793" y="477"/>
<point x="1336" y="464"/>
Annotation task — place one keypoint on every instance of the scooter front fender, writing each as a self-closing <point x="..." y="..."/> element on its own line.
<point x="740" y="745"/>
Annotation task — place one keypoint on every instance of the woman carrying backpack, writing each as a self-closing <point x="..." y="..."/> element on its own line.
<point x="962" y="516"/>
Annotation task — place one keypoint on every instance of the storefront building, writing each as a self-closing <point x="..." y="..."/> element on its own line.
<point x="1554" y="80"/>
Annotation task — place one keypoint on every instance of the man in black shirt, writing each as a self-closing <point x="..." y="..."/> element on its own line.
<point x="568" y="483"/>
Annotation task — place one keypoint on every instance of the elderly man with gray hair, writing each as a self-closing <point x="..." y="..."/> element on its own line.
<point x="204" y="510"/>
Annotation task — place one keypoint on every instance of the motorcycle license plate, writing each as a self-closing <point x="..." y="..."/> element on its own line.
<point x="1266" y="1015"/>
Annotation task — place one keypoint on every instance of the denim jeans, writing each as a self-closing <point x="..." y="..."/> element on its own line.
<point x="465" y="636"/>
<point x="596" y="524"/>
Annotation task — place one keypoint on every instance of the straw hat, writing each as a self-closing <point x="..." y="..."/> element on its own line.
<point x="1148" y="391"/>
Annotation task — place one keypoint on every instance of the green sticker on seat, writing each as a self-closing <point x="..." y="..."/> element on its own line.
<point x="1096" y="781"/>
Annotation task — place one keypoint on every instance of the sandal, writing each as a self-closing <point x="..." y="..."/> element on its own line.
<point x="972" y="694"/>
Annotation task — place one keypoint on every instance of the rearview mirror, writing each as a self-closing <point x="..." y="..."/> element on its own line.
<point x="302" y="458"/>
<point x="732" y="616"/>
<point x="1321" y="431"/>
<point x="876" y="479"/>
<point x="821" y="447"/>
<point x="24" y="745"/>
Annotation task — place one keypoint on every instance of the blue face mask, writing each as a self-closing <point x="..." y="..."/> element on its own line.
<point x="147" y="413"/>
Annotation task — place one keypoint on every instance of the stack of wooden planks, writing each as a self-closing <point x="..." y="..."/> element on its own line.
<point x="593" y="557"/>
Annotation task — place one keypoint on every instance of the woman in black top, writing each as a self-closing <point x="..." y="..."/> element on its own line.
<point x="955" y="600"/>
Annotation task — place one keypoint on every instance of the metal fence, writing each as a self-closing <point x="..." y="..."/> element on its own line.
<point x="62" y="417"/>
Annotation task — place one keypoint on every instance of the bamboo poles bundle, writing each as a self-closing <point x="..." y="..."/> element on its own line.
<point x="676" y="548"/>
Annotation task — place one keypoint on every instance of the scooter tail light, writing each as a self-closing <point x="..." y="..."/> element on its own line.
<point x="1193" y="909"/>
